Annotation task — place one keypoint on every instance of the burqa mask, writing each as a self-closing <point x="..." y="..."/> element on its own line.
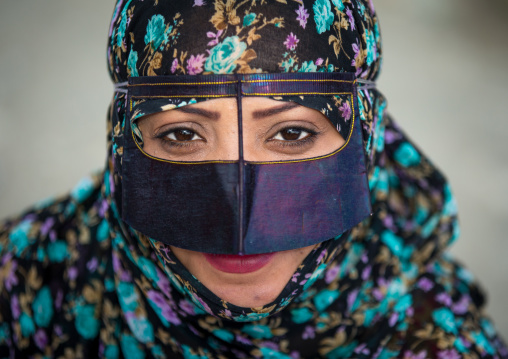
<point x="241" y="206"/>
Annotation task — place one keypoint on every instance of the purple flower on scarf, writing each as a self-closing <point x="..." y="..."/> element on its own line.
<point x="103" y="208"/>
<point x="58" y="330"/>
<point x="186" y="307"/>
<point x="371" y="6"/>
<point x="378" y="294"/>
<point x="11" y="279"/>
<point x="393" y="319"/>
<point x="410" y="311"/>
<point x="165" y="309"/>
<point x="295" y="276"/>
<point x="461" y="306"/>
<point x="163" y="283"/>
<point x="41" y="339"/>
<point x="195" y="64"/>
<point x="243" y="340"/>
<point x="47" y="225"/>
<point x="444" y="298"/>
<point x="425" y="284"/>
<point x="214" y="36"/>
<point x="356" y="49"/>
<point x="410" y="355"/>
<point x="307" y="276"/>
<point x="332" y="273"/>
<point x="362" y="349"/>
<point x="199" y="3"/>
<point x="303" y="15"/>
<point x="319" y="62"/>
<point x="291" y="41"/>
<point x="15" y="309"/>
<point x="323" y="254"/>
<point x="345" y="110"/>
<point x="351" y="299"/>
<point x="117" y="266"/>
<point x="72" y="273"/>
<point x="366" y="272"/>
<point x="308" y="333"/>
<point x="92" y="264"/>
<point x="204" y="305"/>
<point x="449" y="354"/>
<point x="351" y="19"/>
<point x="174" y="66"/>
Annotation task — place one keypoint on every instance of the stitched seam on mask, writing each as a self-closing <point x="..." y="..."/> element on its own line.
<point x="320" y="157"/>
<point x="176" y="96"/>
<point x="263" y="163"/>
<point x="299" y="80"/>
<point x="176" y="162"/>
<point x="232" y="82"/>
<point x="184" y="83"/>
<point x="296" y="93"/>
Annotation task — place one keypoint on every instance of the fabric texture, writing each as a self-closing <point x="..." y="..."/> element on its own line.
<point x="75" y="281"/>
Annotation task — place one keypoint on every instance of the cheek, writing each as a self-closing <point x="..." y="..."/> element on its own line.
<point x="299" y="254"/>
<point x="190" y="259"/>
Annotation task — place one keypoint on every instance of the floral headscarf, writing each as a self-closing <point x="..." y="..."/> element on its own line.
<point x="75" y="281"/>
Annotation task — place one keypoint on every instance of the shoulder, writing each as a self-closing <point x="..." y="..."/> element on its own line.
<point x="448" y="318"/>
<point x="51" y="257"/>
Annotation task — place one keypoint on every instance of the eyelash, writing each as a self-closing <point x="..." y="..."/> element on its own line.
<point x="166" y="141"/>
<point x="295" y="143"/>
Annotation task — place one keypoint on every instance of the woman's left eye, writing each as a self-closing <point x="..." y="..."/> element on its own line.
<point x="292" y="134"/>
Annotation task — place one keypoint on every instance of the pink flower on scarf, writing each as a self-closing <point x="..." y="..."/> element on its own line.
<point x="174" y="66"/>
<point x="195" y="64"/>
<point x="345" y="110"/>
<point x="351" y="19"/>
<point x="291" y="41"/>
<point x="449" y="354"/>
<point x="303" y="15"/>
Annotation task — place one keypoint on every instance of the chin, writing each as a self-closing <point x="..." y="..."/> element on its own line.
<point x="245" y="281"/>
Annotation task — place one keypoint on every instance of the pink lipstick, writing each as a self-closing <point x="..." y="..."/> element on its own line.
<point x="238" y="264"/>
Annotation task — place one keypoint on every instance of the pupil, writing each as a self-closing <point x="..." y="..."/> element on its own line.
<point x="184" y="135"/>
<point x="291" y="134"/>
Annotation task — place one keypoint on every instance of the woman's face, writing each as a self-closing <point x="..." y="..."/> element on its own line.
<point x="272" y="131"/>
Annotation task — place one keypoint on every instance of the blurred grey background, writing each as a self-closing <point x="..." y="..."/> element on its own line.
<point x="445" y="76"/>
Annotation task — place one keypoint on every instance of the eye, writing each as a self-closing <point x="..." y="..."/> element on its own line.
<point x="181" y="135"/>
<point x="292" y="134"/>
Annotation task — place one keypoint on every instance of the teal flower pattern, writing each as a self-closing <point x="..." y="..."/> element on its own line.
<point x="323" y="15"/>
<point x="223" y="56"/>
<point x="156" y="32"/>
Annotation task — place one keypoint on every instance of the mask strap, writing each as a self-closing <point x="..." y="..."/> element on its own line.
<point x="121" y="87"/>
<point x="365" y="84"/>
<point x="241" y="166"/>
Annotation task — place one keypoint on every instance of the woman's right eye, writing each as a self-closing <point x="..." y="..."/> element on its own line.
<point x="180" y="135"/>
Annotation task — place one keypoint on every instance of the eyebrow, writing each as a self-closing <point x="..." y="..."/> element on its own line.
<point x="274" y="110"/>
<point x="199" y="111"/>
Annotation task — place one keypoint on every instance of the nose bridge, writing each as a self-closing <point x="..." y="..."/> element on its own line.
<point x="242" y="220"/>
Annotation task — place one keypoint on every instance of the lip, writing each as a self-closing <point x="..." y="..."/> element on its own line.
<point x="238" y="264"/>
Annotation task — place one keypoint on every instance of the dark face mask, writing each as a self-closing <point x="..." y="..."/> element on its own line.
<point x="240" y="206"/>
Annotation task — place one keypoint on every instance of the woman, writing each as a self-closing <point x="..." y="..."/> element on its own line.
<point x="186" y="245"/>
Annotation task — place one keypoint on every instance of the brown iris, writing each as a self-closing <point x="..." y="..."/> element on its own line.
<point x="183" y="135"/>
<point x="291" y="134"/>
